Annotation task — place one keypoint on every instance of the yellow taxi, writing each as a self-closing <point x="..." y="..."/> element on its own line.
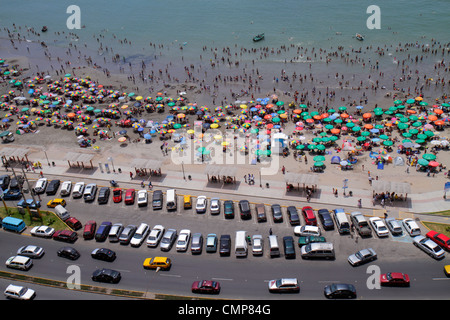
<point x="163" y="263"/>
<point x="187" y="202"/>
<point x="54" y="202"/>
<point x="447" y="270"/>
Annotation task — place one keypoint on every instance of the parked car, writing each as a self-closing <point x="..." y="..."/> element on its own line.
<point x="168" y="240"/>
<point x="42" y="231"/>
<point x="289" y="247"/>
<point x="89" y="230"/>
<point x="127" y="234"/>
<point x="183" y="240"/>
<point x="339" y="291"/>
<point x="361" y="224"/>
<point x="115" y="232"/>
<point x="155" y="236"/>
<point x="103" y="195"/>
<point x="130" y="195"/>
<point x="54" y="202"/>
<point x="78" y="190"/>
<point x="326" y="219"/>
<point x="5" y="181"/>
<point x="142" y="198"/>
<point x="441" y="239"/>
<point x="379" y="227"/>
<point x="140" y="235"/>
<point x="362" y="256"/>
<point x="157" y="199"/>
<point x="31" y="251"/>
<point x="73" y="223"/>
<point x="117" y="195"/>
<point x="308" y="215"/>
<point x="228" y="209"/>
<point x="66" y="187"/>
<point x="214" y="206"/>
<point x="394" y="279"/>
<point x="284" y="285"/>
<point x="106" y="275"/>
<point x="19" y="293"/>
<point x="40" y="186"/>
<point x="394" y="226"/>
<point x="211" y="243"/>
<point x="68" y="253"/>
<point x="103" y="231"/>
<point x="307" y="230"/>
<point x="11" y="194"/>
<point x="294" y="218"/>
<point x="260" y="209"/>
<point x="244" y="207"/>
<point x="276" y="213"/>
<point x="52" y="187"/>
<point x="206" y="286"/>
<point x="65" y="235"/>
<point x="89" y="192"/>
<point x="225" y="245"/>
<point x="411" y="227"/>
<point x="429" y="246"/>
<point x="304" y="240"/>
<point x="15" y="184"/>
<point x="29" y="203"/>
<point x="103" y="254"/>
<point x="197" y="243"/>
<point x="201" y="204"/>
<point x="257" y="245"/>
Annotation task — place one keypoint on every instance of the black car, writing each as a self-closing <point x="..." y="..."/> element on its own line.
<point x="106" y="275"/>
<point x="127" y="233"/>
<point x="103" y="195"/>
<point x="288" y="244"/>
<point x="4" y="181"/>
<point x="52" y="187"/>
<point x="294" y="218"/>
<point x="339" y="291"/>
<point x="103" y="254"/>
<point x="325" y="219"/>
<point x="157" y="200"/>
<point x="228" y="209"/>
<point x="68" y="252"/>
<point x="276" y="213"/>
<point x="16" y="183"/>
<point x="225" y="245"/>
<point x="103" y="231"/>
<point x="244" y="207"/>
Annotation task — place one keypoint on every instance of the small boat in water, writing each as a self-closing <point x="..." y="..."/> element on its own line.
<point x="359" y="37"/>
<point x="44" y="28"/>
<point x="259" y="37"/>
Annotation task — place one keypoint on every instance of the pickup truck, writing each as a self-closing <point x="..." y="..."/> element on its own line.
<point x="361" y="224"/>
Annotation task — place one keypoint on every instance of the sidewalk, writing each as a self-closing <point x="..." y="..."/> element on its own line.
<point x="416" y="204"/>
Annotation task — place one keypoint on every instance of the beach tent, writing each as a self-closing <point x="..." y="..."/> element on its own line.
<point x="347" y="146"/>
<point x="335" y="160"/>
<point x="399" y="161"/>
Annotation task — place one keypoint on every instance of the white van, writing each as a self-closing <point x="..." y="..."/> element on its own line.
<point x="62" y="212"/>
<point x="319" y="250"/>
<point x="19" y="262"/>
<point x="340" y="217"/>
<point x="140" y="235"/>
<point x="274" y="249"/>
<point x="171" y="199"/>
<point x="240" y="247"/>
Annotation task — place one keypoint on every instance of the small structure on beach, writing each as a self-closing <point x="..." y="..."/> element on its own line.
<point x="144" y="167"/>
<point x="78" y="159"/>
<point x="224" y="174"/>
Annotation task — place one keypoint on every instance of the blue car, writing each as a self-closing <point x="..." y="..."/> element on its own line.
<point x="12" y="194"/>
<point x="30" y="204"/>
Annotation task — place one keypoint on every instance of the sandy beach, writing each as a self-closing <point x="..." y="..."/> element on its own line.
<point x="224" y="78"/>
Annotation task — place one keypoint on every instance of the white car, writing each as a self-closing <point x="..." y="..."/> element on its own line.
<point x="201" y="204"/>
<point x="411" y="227"/>
<point x="19" y="292"/>
<point x="183" y="240"/>
<point x="78" y="190"/>
<point x="66" y="187"/>
<point x="394" y="226"/>
<point x="307" y="230"/>
<point x="31" y="251"/>
<point x="214" y="206"/>
<point x="40" y="185"/>
<point x="378" y="225"/>
<point x="142" y="198"/>
<point x="42" y="231"/>
<point x="155" y="236"/>
<point x="140" y="235"/>
<point x="429" y="246"/>
<point x="257" y="245"/>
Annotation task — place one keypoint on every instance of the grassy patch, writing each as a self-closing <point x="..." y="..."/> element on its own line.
<point x="47" y="218"/>
<point x="445" y="213"/>
<point x="438" y="227"/>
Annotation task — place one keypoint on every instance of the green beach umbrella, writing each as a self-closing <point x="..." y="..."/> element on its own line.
<point x="410" y="101"/>
<point x="389" y="112"/>
<point x="397" y="101"/>
<point x="413" y="131"/>
<point x="403" y="126"/>
<point x="334" y="138"/>
<point x="429" y="156"/>
<point x="276" y="120"/>
<point x="406" y="134"/>
<point x="429" y="133"/>
<point x="423" y="162"/>
<point x="300" y="147"/>
<point x="406" y="140"/>
<point x="401" y="107"/>
<point x="312" y="146"/>
<point x="280" y="103"/>
<point x="327" y="119"/>
<point x="319" y="158"/>
<point x="303" y="106"/>
<point x="420" y="141"/>
<point x="338" y="121"/>
<point x="326" y="139"/>
<point x="343" y="108"/>
<point x="361" y="138"/>
<point x="349" y="124"/>
<point x="331" y="111"/>
<point x="319" y="164"/>
<point x="329" y="126"/>
<point x="417" y="124"/>
<point x="422" y="136"/>
<point x="322" y="134"/>
<point x="423" y="103"/>
<point x="365" y="133"/>
<point x="321" y="147"/>
<point x="384" y="137"/>
<point x="413" y="118"/>
<point x="314" y="113"/>
<point x="388" y="143"/>
<point x="177" y="126"/>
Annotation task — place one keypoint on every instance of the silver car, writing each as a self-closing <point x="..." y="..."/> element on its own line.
<point x="429" y="246"/>
<point x="257" y="245"/>
<point x="155" y="236"/>
<point x="215" y="206"/>
<point x="394" y="226"/>
<point x="362" y="256"/>
<point x="31" y="251"/>
<point x="168" y="239"/>
<point x="183" y="240"/>
<point x="197" y="243"/>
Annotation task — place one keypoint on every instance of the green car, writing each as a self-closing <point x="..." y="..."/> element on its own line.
<point x="302" y="241"/>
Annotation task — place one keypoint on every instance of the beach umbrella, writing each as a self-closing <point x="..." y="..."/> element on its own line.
<point x="300" y="147"/>
<point x="410" y="101"/>
<point x="429" y="156"/>
<point x="429" y="133"/>
<point x="361" y="138"/>
<point x="319" y="164"/>
<point x="366" y="133"/>
<point x="388" y="143"/>
<point x="433" y="164"/>
<point x="422" y="136"/>
<point x="406" y="134"/>
<point x="423" y="162"/>
<point x="384" y="137"/>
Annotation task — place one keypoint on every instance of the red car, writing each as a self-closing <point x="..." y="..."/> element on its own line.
<point x="65" y="235"/>
<point x="395" y="279"/>
<point x="89" y="230"/>
<point x="441" y="239"/>
<point x="130" y="194"/>
<point x="117" y="195"/>
<point x="308" y="215"/>
<point x="206" y="286"/>
<point x="74" y="223"/>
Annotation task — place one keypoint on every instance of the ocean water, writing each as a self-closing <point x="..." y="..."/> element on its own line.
<point x="192" y="24"/>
